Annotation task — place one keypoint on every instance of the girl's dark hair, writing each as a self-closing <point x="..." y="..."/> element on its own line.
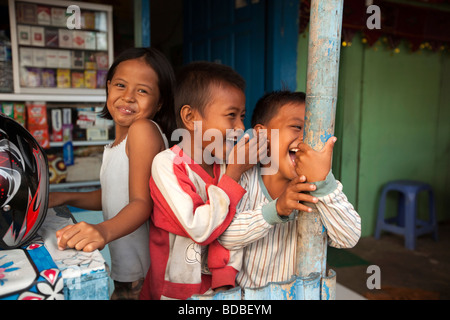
<point x="165" y="117"/>
<point x="268" y="106"/>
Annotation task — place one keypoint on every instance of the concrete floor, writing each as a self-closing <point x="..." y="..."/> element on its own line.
<point x="404" y="274"/>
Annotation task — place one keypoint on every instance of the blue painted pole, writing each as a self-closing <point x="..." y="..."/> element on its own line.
<point x="142" y="35"/>
<point x="323" y="71"/>
<point x="321" y="96"/>
<point x="146" y="38"/>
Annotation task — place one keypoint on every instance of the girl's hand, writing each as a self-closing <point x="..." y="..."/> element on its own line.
<point x="81" y="236"/>
<point x="291" y="197"/>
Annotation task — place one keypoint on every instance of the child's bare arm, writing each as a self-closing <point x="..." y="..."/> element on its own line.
<point x="84" y="200"/>
<point x="142" y="148"/>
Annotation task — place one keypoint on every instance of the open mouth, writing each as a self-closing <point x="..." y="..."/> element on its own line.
<point x="126" y="110"/>
<point x="292" y="153"/>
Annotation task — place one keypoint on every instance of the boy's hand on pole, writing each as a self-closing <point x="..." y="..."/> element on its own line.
<point x="315" y="165"/>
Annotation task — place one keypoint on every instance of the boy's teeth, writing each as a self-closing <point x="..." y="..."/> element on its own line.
<point x="294" y="150"/>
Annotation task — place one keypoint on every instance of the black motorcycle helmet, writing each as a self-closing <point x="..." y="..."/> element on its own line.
<point x="23" y="184"/>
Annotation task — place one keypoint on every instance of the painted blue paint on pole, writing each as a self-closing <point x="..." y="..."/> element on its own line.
<point x="321" y="97"/>
<point x="323" y="71"/>
<point x="146" y="38"/>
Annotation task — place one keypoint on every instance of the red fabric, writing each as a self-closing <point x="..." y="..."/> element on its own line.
<point x="164" y="221"/>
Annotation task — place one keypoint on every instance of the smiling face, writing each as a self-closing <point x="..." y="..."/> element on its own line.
<point x="133" y="93"/>
<point x="289" y="121"/>
<point x="226" y="111"/>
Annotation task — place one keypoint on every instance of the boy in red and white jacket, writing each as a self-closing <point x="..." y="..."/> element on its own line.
<point x="194" y="191"/>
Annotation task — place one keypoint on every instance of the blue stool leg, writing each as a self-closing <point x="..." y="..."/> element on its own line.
<point x="433" y="218"/>
<point x="380" y="218"/>
<point x="410" y="221"/>
<point x="401" y="213"/>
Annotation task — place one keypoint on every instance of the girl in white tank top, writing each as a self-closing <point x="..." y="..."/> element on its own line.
<point x="139" y="90"/>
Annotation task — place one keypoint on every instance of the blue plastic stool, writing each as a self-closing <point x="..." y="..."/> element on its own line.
<point x="407" y="222"/>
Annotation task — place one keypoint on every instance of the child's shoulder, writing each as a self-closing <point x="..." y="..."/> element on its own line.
<point x="144" y="130"/>
<point x="144" y="124"/>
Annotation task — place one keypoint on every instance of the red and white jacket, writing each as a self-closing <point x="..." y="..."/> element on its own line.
<point x="191" y="210"/>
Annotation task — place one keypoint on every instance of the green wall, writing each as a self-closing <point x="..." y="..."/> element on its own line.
<point x="392" y="122"/>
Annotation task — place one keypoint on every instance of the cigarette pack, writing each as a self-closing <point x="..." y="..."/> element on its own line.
<point x="8" y="109"/>
<point x="65" y="38"/>
<point x="90" y="40"/>
<point x="57" y="132"/>
<point x="102" y="41"/>
<point x="30" y="77"/>
<point x="58" y="17"/>
<point x="63" y="78"/>
<point x="37" y="36"/>
<point x="36" y="114"/>
<point x="19" y="113"/>
<point x="24" y="35"/>
<point x="48" y="78"/>
<point x="26" y="57"/>
<point x="101" y="78"/>
<point x="52" y="58"/>
<point x="90" y="79"/>
<point x="43" y="15"/>
<point x="64" y="59"/>
<point x="90" y="63"/>
<point x="41" y="136"/>
<point x="77" y="79"/>
<point x="67" y="116"/>
<point x="102" y="60"/>
<point x="26" y="13"/>
<point x="39" y="58"/>
<point x="101" y="21"/>
<point x="78" y="59"/>
<point x="78" y="40"/>
<point x="96" y="134"/>
<point x="87" y="20"/>
<point x="51" y="38"/>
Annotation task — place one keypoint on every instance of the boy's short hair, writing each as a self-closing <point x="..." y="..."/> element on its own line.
<point x="267" y="107"/>
<point x="194" y="82"/>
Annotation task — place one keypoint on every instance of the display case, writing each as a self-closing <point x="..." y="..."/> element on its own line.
<point x="61" y="52"/>
<point x="60" y="47"/>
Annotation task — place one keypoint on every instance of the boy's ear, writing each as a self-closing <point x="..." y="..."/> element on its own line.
<point x="187" y="115"/>
<point x="260" y="127"/>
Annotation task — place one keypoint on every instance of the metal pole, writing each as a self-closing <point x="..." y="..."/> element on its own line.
<point x="321" y="96"/>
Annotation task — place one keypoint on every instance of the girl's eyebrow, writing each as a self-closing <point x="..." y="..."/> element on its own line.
<point x="139" y="84"/>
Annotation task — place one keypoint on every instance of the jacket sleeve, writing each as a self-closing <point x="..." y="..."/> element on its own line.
<point x="181" y="210"/>
<point x="251" y="223"/>
<point x="341" y="220"/>
<point x="224" y="265"/>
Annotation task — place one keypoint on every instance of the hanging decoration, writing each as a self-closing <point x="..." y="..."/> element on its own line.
<point x="423" y="28"/>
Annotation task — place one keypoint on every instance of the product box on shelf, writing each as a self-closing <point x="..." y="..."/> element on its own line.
<point x="42" y="39"/>
<point x="37" y="122"/>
